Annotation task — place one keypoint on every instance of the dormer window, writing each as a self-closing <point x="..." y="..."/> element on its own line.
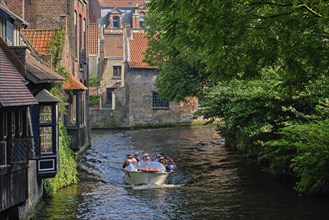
<point x="116" y="22"/>
<point x="142" y="23"/>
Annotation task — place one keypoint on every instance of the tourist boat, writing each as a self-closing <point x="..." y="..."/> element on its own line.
<point x="148" y="173"/>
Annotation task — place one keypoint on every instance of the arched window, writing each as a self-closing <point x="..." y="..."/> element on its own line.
<point x="142" y="23"/>
<point x="116" y="22"/>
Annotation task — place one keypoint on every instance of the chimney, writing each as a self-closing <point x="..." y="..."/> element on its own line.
<point x="20" y="52"/>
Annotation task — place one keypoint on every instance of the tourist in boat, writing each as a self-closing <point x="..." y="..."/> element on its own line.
<point x="134" y="161"/>
<point x="171" y="166"/>
<point x="146" y="157"/>
<point x="157" y="157"/>
<point x="125" y="164"/>
<point x="136" y="156"/>
<point x="131" y="166"/>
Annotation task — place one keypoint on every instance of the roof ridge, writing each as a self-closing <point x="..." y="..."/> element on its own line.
<point x="39" y="29"/>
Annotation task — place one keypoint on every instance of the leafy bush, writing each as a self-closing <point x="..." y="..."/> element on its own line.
<point x="285" y="133"/>
<point x="68" y="165"/>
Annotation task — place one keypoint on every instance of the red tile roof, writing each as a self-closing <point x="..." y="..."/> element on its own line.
<point x="73" y="83"/>
<point x="113" y="45"/>
<point x="93" y="35"/>
<point x="138" y="46"/>
<point x="121" y="3"/>
<point x="13" y="91"/>
<point x="39" y="39"/>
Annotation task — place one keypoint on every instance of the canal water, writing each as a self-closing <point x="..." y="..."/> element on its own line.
<point x="211" y="182"/>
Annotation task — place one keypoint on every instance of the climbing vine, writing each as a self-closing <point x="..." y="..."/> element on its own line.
<point x="55" y="46"/>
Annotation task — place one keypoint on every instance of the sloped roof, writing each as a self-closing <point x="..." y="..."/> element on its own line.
<point x="113" y="45"/>
<point x="116" y="11"/>
<point x="137" y="49"/>
<point x="38" y="72"/>
<point x="39" y="39"/>
<point x="44" y="96"/>
<point x="73" y="83"/>
<point x="93" y="34"/>
<point x="13" y="91"/>
<point x="121" y="3"/>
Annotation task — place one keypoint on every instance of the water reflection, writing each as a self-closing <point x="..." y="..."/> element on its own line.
<point x="212" y="182"/>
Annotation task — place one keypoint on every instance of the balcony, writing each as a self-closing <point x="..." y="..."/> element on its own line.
<point x="21" y="150"/>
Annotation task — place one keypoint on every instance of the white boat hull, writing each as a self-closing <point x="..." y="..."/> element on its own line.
<point x="146" y="178"/>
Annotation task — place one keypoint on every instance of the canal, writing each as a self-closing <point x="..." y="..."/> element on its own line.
<point x="212" y="182"/>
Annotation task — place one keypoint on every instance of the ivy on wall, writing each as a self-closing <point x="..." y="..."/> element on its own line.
<point x="67" y="174"/>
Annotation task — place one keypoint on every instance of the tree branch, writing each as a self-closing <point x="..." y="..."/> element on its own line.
<point x="310" y="10"/>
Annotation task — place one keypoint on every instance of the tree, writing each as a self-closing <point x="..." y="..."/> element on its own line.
<point x="262" y="66"/>
<point x="237" y="39"/>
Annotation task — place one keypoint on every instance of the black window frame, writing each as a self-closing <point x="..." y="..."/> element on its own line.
<point x="116" y="22"/>
<point x="158" y="103"/>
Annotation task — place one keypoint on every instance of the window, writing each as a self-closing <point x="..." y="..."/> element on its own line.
<point x="3" y="153"/>
<point x="46" y="139"/>
<point x="72" y="116"/>
<point x="80" y="33"/>
<point x="116" y="22"/>
<point x="142" y="23"/>
<point x="75" y="31"/>
<point x="109" y="92"/>
<point x="13" y="124"/>
<point x="20" y="123"/>
<point x="4" y="126"/>
<point x="46" y="128"/>
<point x="3" y="29"/>
<point x="84" y="34"/>
<point x="158" y="103"/>
<point x="16" y="35"/>
<point x="45" y="114"/>
<point x="117" y="72"/>
<point x="84" y="109"/>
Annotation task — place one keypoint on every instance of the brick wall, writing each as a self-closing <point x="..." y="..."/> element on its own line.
<point x="16" y="6"/>
<point x="45" y="14"/>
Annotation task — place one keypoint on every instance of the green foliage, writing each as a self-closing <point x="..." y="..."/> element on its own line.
<point x="63" y="72"/>
<point x="239" y="38"/>
<point x="68" y="165"/>
<point x="94" y="81"/>
<point x="94" y="100"/>
<point x="55" y="46"/>
<point x="170" y="84"/>
<point x="58" y="90"/>
<point x="262" y="66"/>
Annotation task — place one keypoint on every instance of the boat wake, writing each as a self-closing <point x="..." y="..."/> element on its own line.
<point x="144" y="187"/>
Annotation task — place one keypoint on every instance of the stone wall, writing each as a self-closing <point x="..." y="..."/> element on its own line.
<point x="133" y="105"/>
